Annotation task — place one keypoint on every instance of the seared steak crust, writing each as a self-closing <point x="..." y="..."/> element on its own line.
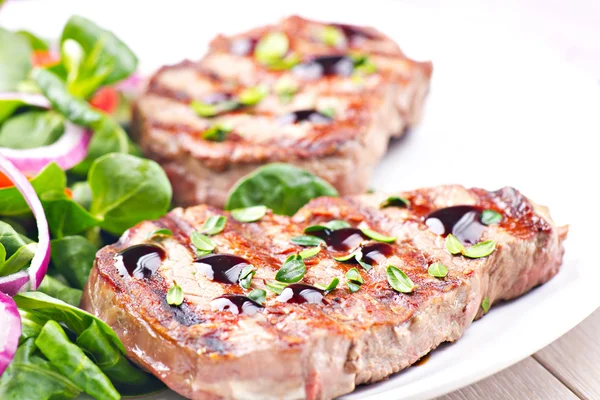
<point x="317" y="351"/>
<point x="368" y="110"/>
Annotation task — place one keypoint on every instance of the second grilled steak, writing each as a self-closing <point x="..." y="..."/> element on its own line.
<point x="330" y="106"/>
<point x="304" y="343"/>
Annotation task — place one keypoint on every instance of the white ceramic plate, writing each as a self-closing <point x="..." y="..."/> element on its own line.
<point x="504" y="109"/>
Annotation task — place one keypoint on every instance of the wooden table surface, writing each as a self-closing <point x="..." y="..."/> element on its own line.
<point x="569" y="368"/>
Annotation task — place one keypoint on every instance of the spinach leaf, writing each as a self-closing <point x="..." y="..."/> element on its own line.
<point x="72" y="362"/>
<point x="283" y="188"/>
<point x="82" y="194"/>
<point x="55" y="288"/>
<point x="143" y="191"/>
<point x="31" y="325"/>
<point x="35" y="42"/>
<point x="52" y="177"/>
<point x="15" y="61"/>
<point x="16" y="248"/>
<point x="128" y="379"/>
<point x="29" y="376"/>
<point x="65" y="216"/>
<point x="31" y="129"/>
<point x="114" y="52"/>
<point x="74" y="318"/>
<point x="73" y="257"/>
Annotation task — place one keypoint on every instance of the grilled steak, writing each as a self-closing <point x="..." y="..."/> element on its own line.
<point x="306" y="343"/>
<point x="332" y="113"/>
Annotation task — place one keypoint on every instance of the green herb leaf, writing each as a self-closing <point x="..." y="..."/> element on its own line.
<point x="143" y="192"/>
<point x="203" y="109"/>
<point x="246" y="276"/>
<point x="490" y="217"/>
<point x="217" y="133"/>
<point x="485" y="304"/>
<point x="292" y="270"/>
<point x="355" y="254"/>
<point x="363" y="64"/>
<point x="310" y="252"/>
<point x="395" y="201"/>
<point x="35" y="42"/>
<point x="378" y="236"/>
<point x="335" y="224"/>
<point x="286" y="87"/>
<point x="331" y="287"/>
<point x="307" y="240"/>
<point x="281" y="187"/>
<point x="353" y="286"/>
<point x="249" y="214"/>
<point x="275" y="287"/>
<point x="453" y="245"/>
<point x="160" y="233"/>
<point x="480" y="250"/>
<point x="175" y="295"/>
<point x="258" y="295"/>
<point x="438" y="270"/>
<point x="252" y="95"/>
<point x="328" y="112"/>
<point x="354" y="276"/>
<point x="363" y="264"/>
<point x="72" y="362"/>
<point x="332" y="36"/>
<point x="214" y="224"/>
<point x="204" y="245"/>
<point x="271" y="48"/>
<point x="399" y="280"/>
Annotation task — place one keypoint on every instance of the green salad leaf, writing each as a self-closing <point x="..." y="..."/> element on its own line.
<point x="72" y="362"/>
<point x="31" y="129"/>
<point x="51" y="178"/>
<point x="281" y="187"/>
<point x="15" y="251"/>
<point x="36" y="42"/>
<point x="55" y="288"/>
<point x="74" y="318"/>
<point x="30" y="376"/>
<point x="128" y="379"/>
<point x="292" y="270"/>
<point x="114" y="52"/>
<point x="15" y="60"/>
<point x="65" y="216"/>
<point x="127" y="190"/>
<point x="73" y="257"/>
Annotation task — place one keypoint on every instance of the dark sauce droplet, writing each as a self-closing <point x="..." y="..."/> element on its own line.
<point x="312" y="116"/>
<point x="464" y="222"/>
<point x="341" y="239"/>
<point x="376" y="253"/>
<point x="300" y="293"/>
<point x="242" y="46"/>
<point x="140" y="261"/>
<point x="236" y="304"/>
<point x="223" y="268"/>
<point x="324" y="66"/>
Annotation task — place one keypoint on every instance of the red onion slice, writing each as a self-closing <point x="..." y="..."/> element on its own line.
<point x="39" y="263"/>
<point x="10" y="331"/>
<point x="67" y="151"/>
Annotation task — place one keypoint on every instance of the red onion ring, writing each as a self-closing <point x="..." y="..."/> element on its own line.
<point x="10" y="331"/>
<point x="39" y="264"/>
<point x="67" y="151"/>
